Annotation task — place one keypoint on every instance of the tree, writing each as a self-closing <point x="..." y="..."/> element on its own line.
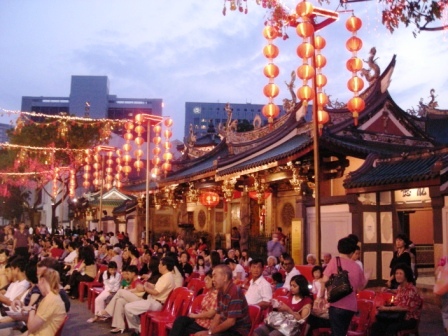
<point x="61" y="143"/>
<point x="423" y="14"/>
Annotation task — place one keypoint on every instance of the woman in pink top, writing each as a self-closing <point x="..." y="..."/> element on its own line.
<point x="342" y="311"/>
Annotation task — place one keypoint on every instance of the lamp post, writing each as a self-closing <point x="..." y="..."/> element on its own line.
<point x="151" y="120"/>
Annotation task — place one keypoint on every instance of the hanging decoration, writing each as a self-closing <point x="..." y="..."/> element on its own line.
<point x="72" y="183"/>
<point x="156" y="140"/>
<point x="210" y="199"/>
<point x="97" y="174"/>
<point x="305" y="29"/>
<point x="271" y="71"/>
<point x="322" y="99"/>
<point x="167" y="155"/>
<point x="234" y="5"/>
<point x="118" y="168"/>
<point x="87" y="170"/>
<point x="355" y="84"/>
<point x="128" y="136"/>
<point x="138" y="153"/>
<point x="109" y="170"/>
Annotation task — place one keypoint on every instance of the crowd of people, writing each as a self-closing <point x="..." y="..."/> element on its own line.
<point x="39" y="273"/>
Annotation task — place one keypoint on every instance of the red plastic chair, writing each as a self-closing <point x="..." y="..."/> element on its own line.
<point x="181" y="306"/>
<point x="366" y="294"/>
<point x="255" y="317"/>
<point x="167" y="308"/>
<point x="361" y="321"/>
<point x="56" y="253"/>
<point x="83" y="285"/>
<point x="306" y="271"/>
<point x="61" y="327"/>
<point x="381" y="298"/>
<point x="280" y="292"/>
<point x="195" y="308"/>
<point x="196" y="285"/>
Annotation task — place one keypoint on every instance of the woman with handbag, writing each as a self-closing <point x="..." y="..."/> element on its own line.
<point x="406" y="308"/>
<point x="298" y="305"/>
<point x="342" y="310"/>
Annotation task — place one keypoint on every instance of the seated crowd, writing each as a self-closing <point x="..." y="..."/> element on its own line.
<point x="36" y="286"/>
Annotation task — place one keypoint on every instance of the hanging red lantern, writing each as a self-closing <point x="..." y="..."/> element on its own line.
<point x="270" y="51"/>
<point x="271" y="90"/>
<point x="354" y="44"/>
<point x="270" y="33"/>
<point x="305" y="29"/>
<point x="355" y="84"/>
<point x="166" y="166"/>
<point x="353" y="24"/>
<point x="323" y="117"/>
<point x="271" y="70"/>
<point x="168" y="122"/>
<point x="271" y="111"/>
<point x="304" y="9"/>
<point x="321" y="80"/>
<point x="354" y="64"/>
<point x="305" y="93"/>
<point x="305" y="72"/>
<point x="319" y="42"/>
<point x="356" y="104"/>
<point x="210" y="199"/>
<point x="322" y="99"/>
<point x="138" y="165"/>
<point x="305" y="50"/>
<point x="321" y="61"/>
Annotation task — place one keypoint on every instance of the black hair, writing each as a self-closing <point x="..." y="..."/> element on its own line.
<point x="5" y="251"/>
<point x="409" y="275"/>
<point x="168" y="262"/>
<point x="317" y="268"/>
<point x="257" y="261"/>
<point x="353" y="237"/>
<point x="215" y="259"/>
<point x="111" y="264"/>
<point x="19" y="263"/>
<point x="404" y="238"/>
<point x="196" y="267"/>
<point x="277" y="277"/>
<point x="133" y="250"/>
<point x="154" y="265"/>
<point x="302" y="282"/>
<point x="346" y="245"/>
<point x="87" y="255"/>
<point x="31" y="272"/>
<point x="132" y="269"/>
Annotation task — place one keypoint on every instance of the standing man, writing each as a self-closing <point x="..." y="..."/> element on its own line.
<point x="259" y="291"/>
<point x="275" y="248"/>
<point x="20" y="243"/>
<point x="232" y="314"/>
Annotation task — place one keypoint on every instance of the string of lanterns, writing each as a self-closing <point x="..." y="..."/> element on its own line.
<point x="355" y="84"/>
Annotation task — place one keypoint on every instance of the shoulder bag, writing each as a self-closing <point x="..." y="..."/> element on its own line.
<point x="339" y="285"/>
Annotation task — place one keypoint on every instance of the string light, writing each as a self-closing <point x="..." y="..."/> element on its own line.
<point x="6" y="145"/>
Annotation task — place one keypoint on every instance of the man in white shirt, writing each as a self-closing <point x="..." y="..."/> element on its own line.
<point x="72" y="255"/>
<point x="259" y="291"/>
<point x="291" y="271"/>
<point x="15" y="271"/>
<point x="237" y="270"/>
<point x="113" y="240"/>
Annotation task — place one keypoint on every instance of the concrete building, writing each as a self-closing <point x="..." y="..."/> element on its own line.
<point x="3" y="136"/>
<point x="89" y="96"/>
<point x="200" y="114"/>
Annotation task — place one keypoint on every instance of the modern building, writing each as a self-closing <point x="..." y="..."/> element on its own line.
<point x="199" y="115"/>
<point x="89" y="96"/>
<point x="3" y="135"/>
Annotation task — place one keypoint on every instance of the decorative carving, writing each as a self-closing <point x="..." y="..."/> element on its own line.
<point x="192" y="194"/>
<point x="291" y="105"/>
<point x="422" y="108"/>
<point x="228" y="187"/>
<point x="287" y="214"/>
<point x="202" y="219"/>
<point x="373" y="72"/>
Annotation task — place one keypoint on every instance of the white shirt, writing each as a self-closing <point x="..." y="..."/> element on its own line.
<point x="239" y="269"/>
<point x="289" y="276"/>
<point x="17" y="288"/>
<point x="113" y="240"/>
<point x="258" y="291"/>
<point x="71" y="257"/>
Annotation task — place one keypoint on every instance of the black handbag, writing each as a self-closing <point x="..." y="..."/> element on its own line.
<point x="339" y="284"/>
<point x="390" y="316"/>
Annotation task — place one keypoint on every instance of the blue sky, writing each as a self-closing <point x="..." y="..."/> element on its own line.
<point x="182" y="51"/>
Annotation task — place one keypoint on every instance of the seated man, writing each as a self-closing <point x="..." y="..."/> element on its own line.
<point x="290" y="270"/>
<point x="238" y="272"/>
<point x="158" y="294"/>
<point x="259" y="291"/>
<point x="133" y="292"/>
<point x="15" y="272"/>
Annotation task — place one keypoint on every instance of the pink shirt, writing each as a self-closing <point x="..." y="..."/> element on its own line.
<point x="356" y="277"/>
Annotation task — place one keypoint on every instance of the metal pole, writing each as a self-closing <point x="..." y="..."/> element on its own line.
<point x="148" y="175"/>
<point x="316" y="160"/>
<point x="101" y="194"/>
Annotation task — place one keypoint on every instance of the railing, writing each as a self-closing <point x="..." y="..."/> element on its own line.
<point x="425" y="256"/>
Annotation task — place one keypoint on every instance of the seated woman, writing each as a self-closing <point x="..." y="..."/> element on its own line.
<point x="271" y="267"/>
<point x="4" y="282"/>
<point x="195" y="322"/>
<point x="299" y="305"/>
<point x="86" y="271"/>
<point x="407" y="301"/>
<point x="50" y="314"/>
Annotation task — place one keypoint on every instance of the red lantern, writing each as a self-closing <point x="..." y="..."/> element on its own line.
<point x="321" y="80"/>
<point x="322" y="117"/>
<point x="319" y="42"/>
<point x="305" y="93"/>
<point x="166" y="166"/>
<point x="305" y="72"/>
<point x="321" y="61"/>
<point x="210" y="199"/>
<point x="156" y="160"/>
<point x="139" y="129"/>
<point x="156" y="151"/>
<point x="353" y="24"/>
<point x="271" y="90"/>
<point x="270" y="33"/>
<point x="354" y="44"/>
<point x="138" y="165"/>
<point x="156" y="140"/>
<point x="128" y="136"/>
<point x="354" y="64"/>
<point x="270" y="51"/>
<point x="128" y="125"/>
<point x="322" y="99"/>
<point x="271" y="70"/>
<point x="305" y="29"/>
<point x="356" y="104"/>
<point x="304" y="9"/>
<point x="305" y="50"/>
<point x="157" y="129"/>
<point x="271" y="111"/>
<point x="168" y="122"/>
<point x="355" y="84"/>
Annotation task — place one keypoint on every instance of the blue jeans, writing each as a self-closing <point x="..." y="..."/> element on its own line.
<point x="340" y="320"/>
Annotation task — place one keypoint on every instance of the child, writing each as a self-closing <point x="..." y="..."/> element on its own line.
<point x="111" y="281"/>
<point x="277" y="280"/>
<point x="200" y="266"/>
<point x="318" y="289"/>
